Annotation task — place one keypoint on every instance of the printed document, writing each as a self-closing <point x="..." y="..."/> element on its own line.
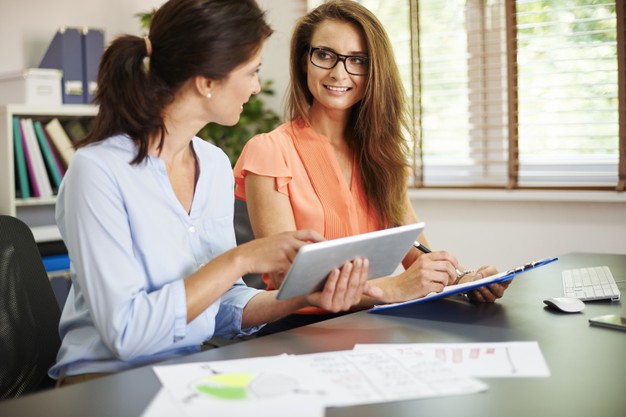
<point x="303" y="385"/>
<point x="481" y="360"/>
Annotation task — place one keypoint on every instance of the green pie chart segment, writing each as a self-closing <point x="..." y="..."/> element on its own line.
<point x="225" y="386"/>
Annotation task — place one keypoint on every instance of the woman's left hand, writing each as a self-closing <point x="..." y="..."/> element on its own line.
<point x="345" y="287"/>
<point x="490" y="293"/>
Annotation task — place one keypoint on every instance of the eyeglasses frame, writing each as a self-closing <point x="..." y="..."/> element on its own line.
<point x="340" y="57"/>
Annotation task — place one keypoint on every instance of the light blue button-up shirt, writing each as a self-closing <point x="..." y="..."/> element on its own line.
<point x="131" y="244"/>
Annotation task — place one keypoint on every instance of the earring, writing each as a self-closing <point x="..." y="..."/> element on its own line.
<point x="209" y="95"/>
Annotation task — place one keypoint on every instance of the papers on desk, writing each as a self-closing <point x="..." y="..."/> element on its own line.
<point x="481" y="360"/>
<point x="304" y="385"/>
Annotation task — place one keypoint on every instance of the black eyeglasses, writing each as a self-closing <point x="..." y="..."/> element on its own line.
<point x="323" y="58"/>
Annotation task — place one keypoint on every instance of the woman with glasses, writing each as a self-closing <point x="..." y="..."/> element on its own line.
<point x="339" y="165"/>
<point x="146" y="207"/>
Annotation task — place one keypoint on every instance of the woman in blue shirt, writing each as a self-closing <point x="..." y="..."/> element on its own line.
<point x="146" y="207"/>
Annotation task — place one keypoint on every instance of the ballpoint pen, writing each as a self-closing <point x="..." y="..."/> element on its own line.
<point x="459" y="274"/>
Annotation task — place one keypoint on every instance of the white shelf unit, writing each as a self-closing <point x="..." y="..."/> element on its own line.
<point x="37" y="213"/>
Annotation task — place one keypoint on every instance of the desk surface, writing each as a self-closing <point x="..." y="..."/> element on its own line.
<point x="587" y="364"/>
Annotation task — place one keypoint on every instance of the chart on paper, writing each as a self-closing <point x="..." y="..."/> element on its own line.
<point x="271" y="386"/>
<point x="503" y="359"/>
<point x="303" y="385"/>
<point x="244" y="386"/>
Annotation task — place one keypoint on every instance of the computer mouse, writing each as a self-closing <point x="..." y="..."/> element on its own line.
<point x="565" y="304"/>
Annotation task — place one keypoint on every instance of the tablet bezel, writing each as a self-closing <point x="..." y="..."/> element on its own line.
<point x="384" y="249"/>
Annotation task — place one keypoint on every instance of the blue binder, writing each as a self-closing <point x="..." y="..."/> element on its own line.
<point x="58" y="262"/>
<point x="65" y="53"/>
<point x="93" y="46"/>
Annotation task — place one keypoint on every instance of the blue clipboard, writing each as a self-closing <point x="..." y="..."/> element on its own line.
<point x="468" y="286"/>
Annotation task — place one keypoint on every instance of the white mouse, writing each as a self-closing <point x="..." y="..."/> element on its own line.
<point x="565" y="304"/>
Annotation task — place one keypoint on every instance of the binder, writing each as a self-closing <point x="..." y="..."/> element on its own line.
<point x="93" y="46"/>
<point x="53" y="247"/>
<point x="55" y="153"/>
<point x="29" y="162"/>
<point x="52" y="263"/>
<point x="61" y="141"/>
<point x="65" y="53"/>
<point x="20" y="160"/>
<point x="36" y="158"/>
<point x="51" y="164"/>
<point x="75" y="129"/>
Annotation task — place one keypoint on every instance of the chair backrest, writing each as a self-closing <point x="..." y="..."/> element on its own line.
<point x="29" y="313"/>
<point x="243" y="234"/>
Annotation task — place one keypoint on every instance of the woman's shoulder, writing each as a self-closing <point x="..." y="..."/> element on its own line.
<point x="281" y="137"/>
<point x="114" y="148"/>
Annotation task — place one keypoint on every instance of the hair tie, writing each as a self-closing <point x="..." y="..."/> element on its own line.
<point x="148" y="46"/>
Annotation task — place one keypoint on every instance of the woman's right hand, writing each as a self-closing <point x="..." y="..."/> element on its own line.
<point x="274" y="254"/>
<point x="429" y="273"/>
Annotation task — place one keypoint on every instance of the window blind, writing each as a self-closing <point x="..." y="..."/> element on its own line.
<point x="514" y="93"/>
<point x="567" y="92"/>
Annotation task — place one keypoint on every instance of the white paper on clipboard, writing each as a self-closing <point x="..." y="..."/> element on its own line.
<point x="468" y="286"/>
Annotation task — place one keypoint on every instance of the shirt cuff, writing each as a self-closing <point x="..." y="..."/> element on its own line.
<point x="230" y="315"/>
<point x="180" y="310"/>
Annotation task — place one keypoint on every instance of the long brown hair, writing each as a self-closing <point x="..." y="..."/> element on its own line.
<point x="376" y="123"/>
<point x="187" y="38"/>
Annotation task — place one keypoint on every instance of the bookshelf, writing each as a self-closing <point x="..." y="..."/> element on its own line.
<point x="36" y="212"/>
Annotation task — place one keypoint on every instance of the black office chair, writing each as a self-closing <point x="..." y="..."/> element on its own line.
<point x="29" y="313"/>
<point x="243" y="234"/>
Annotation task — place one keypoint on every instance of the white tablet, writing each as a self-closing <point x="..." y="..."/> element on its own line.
<point x="384" y="249"/>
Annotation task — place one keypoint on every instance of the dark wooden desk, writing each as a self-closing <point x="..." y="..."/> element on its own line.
<point x="587" y="364"/>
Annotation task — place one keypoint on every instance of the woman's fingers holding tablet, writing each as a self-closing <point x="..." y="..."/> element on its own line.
<point x="344" y="287"/>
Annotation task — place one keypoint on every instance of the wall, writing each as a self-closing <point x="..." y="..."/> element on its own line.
<point x="281" y="15"/>
<point x="509" y="228"/>
<point x="27" y="26"/>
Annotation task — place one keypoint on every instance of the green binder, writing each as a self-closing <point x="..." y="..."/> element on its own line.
<point x="20" y="160"/>
<point x="48" y="156"/>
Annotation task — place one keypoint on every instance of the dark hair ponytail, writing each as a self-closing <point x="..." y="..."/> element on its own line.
<point x="126" y="99"/>
<point x="187" y="38"/>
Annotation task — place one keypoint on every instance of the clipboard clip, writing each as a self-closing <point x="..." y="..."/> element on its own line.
<point x="530" y="265"/>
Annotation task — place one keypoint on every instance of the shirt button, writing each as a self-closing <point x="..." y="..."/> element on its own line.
<point x="192" y="229"/>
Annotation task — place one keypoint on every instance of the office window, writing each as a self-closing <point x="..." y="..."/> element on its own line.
<point x="514" y="94"/>
<point x="567" y="92"/>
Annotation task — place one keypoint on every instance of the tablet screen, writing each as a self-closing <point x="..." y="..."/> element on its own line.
<point x="384" y="249"/>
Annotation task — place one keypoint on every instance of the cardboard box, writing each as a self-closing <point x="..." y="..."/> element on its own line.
<point x="37" y="86"/>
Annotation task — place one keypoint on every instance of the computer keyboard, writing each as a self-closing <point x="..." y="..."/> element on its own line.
<point x="593" y="283"/>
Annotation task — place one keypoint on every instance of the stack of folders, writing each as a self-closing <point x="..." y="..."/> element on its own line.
<point x="43" y="150"/>
<point x="77" y="52"/>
